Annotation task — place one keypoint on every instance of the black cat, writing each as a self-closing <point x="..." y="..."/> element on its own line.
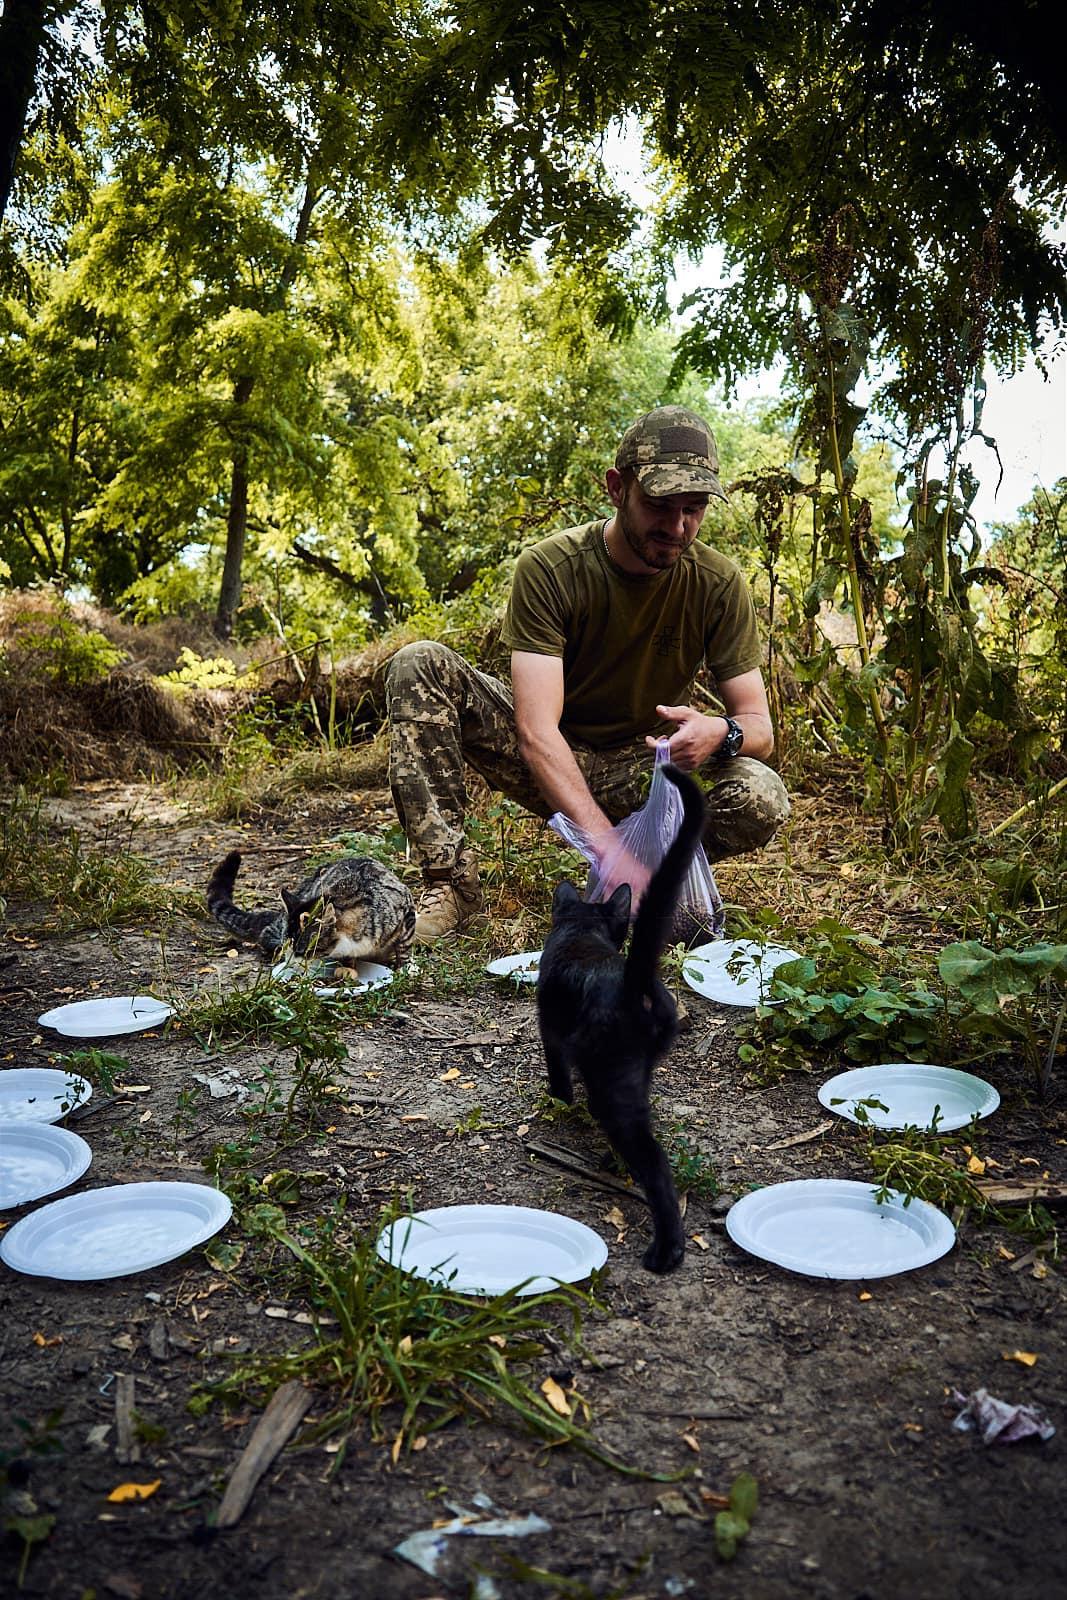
<point x="612" y="1017"/>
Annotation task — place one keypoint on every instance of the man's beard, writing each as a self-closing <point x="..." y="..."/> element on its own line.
<point x="661" y="557"/>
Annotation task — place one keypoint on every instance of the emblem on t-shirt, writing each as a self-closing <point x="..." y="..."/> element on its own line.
<point x="666" y="641"/>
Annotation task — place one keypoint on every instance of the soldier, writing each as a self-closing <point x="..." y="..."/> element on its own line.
<point x="608" y="624"/>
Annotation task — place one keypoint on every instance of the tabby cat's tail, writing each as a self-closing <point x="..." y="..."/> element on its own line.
<point x="265" y="928"/>
<point x="655" y="914"/>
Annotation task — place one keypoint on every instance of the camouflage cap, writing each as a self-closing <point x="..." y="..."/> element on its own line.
<point x="672" y="451"/>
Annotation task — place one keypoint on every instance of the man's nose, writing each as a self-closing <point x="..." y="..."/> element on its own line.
<point x="674" y="519"/>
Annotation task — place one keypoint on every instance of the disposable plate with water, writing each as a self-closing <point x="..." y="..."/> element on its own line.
<point x="40" y="1094"/>
<point x="520" y="968"/>
<point x="908" y="1094"/>
<point x="835" y="1228"/>
<point x="487" y="1250"/>
<point x="109" y="1233"/>
<point x="38" y="1159"/>
<point x="111" y="1014"/>
<point x="370" y="975"/>
<point x="705" y="970"/>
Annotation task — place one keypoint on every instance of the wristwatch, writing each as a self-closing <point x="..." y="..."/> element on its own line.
<point x="731" y="745"/>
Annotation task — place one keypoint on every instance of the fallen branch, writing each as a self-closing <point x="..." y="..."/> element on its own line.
<point x="1022" y="1194"/>
<point x="127" y="1448"/>
<point x="272" y="1432"/>
<point x="599" y="1180"/>
<point x="1017" y="816"/>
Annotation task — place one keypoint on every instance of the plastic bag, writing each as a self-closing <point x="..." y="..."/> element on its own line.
<point x="648" y="834"/>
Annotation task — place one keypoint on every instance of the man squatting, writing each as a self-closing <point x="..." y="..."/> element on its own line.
<point x="607" y="624"/>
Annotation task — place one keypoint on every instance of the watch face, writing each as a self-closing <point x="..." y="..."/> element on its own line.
<point x="735" y="738"/>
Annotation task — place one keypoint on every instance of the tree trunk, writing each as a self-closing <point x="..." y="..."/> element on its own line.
<point x="236" y="528"/>
<point x="22" y="29"/>
<point x="237" y="515"/>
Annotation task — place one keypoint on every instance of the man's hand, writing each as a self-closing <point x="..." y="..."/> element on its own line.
<point x="696" y="738"/>
<point x="616" y="865"/>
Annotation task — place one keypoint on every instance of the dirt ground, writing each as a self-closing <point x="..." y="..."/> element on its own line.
<point x="833" y="1395"/>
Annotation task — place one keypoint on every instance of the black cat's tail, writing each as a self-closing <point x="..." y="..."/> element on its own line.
<point x="265" y="928"/>
<point x="655" y="914"/>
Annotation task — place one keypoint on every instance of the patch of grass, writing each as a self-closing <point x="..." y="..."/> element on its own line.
<point x="548" y="1109"/>
<point x="452" y="967"/>
<point x="408" y="1356"/>
<point x="86" y="887"/>
<point x="290" y="1016"/>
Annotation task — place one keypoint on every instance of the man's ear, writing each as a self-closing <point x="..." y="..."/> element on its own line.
<point x="615" y="484"/>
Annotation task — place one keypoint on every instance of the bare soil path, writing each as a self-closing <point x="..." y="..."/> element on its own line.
<point x="832" y="1394"/>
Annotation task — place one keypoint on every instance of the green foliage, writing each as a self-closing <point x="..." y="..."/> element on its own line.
<point x="98" y="1066"/>
<point x="49" y="645"/>
<point x="1010" y="997"/>
<point x="836" y="997"/>
<point x="693" y="1170"/>
<point x="18" y="1513"/>
<point x="203" y="672"/>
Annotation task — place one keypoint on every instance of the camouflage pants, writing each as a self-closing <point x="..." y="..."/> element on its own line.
<point x="443" y="713"/>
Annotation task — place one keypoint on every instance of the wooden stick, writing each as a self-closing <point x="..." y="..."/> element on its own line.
<point x="1017" y="816"/>
<point x="272" y="1432"/>
<point x="127" y="1447"/>
<point x="563" y="1158"/>
<point x="1022" y="1194"/>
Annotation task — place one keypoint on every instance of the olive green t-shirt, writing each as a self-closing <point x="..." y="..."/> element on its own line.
<point x="628" y="643"/>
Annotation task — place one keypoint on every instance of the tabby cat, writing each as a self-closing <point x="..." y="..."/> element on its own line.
<point x="613" y="1018"/>
<point x="353" y="909"/>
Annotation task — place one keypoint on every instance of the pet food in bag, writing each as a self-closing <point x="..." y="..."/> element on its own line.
<point x="648" y="834"/>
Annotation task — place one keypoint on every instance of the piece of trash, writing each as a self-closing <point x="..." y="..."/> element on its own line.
<point x="221" y="1086"/>
<point x="425" y="1548"/>
<point x="998" y="1421"/>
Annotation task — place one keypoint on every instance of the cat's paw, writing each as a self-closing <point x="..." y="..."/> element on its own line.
<point x="663" y="1255"/>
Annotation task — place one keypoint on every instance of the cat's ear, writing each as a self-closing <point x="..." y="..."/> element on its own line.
<point x="292" y="904"/>
<point x="619" y="903"/>
<point x="566" y="895"/>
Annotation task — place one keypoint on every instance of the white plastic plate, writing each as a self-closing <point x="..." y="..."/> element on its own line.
<point x="521" y="968"/>
<point x="707" y="974"/>
<point x="488" y="1250"/>
<point x="109" y="1233"/>
<point x="834" y="1228"/>
<point x="372" y="975"/>
<point x="38" y="1159"/>
<point x="98" y="1019"/>
<point x="911" y="1091"/>
<point x="40" y="1094"/>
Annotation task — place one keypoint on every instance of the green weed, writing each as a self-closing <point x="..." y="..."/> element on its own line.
<point x="693" y="1170"/>
<point x="86" y="887"/>
<point x="408" y="1356"/>
<point x="98" y="1066"/>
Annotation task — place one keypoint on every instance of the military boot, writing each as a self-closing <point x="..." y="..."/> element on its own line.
<point x="451" y="899"/>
